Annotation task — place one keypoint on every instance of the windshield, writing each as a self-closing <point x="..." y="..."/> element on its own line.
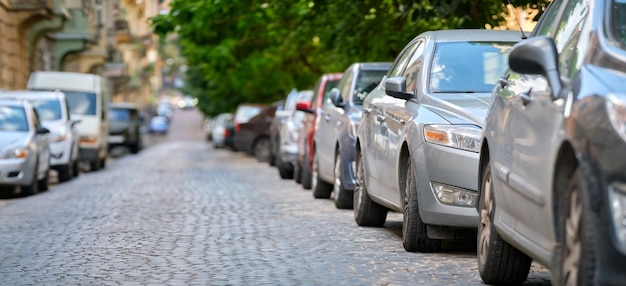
<point x="83" y="103"/>
<point x="47" y="109"/>
<point x="618" y="22"/>
<point x="13" y="118"/>
<point x="119" y="114"/>
<point x="366" y="82"/>
<point x="468" y="66"/>
<point x="244" y="113"/>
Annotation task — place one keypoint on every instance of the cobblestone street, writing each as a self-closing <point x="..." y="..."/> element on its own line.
<point x="183" y="213"/>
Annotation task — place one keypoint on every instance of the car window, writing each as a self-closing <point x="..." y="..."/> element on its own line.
<point x="366" y="82"/>
<point x="13" y="118"/>
<point x="244" y="113"/>
<point x="413" y="66"/>
<point x="330" y="84"/>
<point x="468" y="66"/>
<point x="48" y="109"/>
<point x="568" y="34"/>
<point x="119" y="114"/>
<point x="544" y="27"/>
<point x="400" y="62"/>
<point x="83" y="103"/>
<point x="618" y="23"/>
<point x="345" y="84"/>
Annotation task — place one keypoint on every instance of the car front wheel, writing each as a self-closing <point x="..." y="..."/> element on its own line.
<point x="414" y="230"/>
<point x="343" y="197"/>
<point x="366" y="211"/>
<point x="498" y="261"/>
<point x="321" y="189"/>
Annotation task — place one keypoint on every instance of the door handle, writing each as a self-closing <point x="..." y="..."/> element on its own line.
<point x="525" y="97"/>
<point x="380" y="118"/>
<point x="367" y="111"/>
<point x="327" y="117"/>
<point x="503" y="82"/>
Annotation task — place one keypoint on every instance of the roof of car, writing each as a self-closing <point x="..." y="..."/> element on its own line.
<point x="12" y="102"/>
<point x="127" y="105"/>
<point x="31" y="94"/>
<point x="374" y="65"/>
<point x="481" y="35"/>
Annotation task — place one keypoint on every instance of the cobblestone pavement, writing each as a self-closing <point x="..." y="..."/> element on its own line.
<point x="182" y="213"/>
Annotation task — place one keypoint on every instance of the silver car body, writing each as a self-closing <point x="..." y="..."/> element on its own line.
<point x="288" y="150"/>
<point x="221" y="123"/>
<point x="24" y="154"/>
<point x="54" y="114"/>
<point x="392" y="128"/>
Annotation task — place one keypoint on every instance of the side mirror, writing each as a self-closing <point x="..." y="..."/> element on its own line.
<point x="282" y="114"/>
<point x="538" y="55"/>
<point x="42" y="130"/>
<point x="304" y="106"/>
<point x="396" y="87"/>
<point x="335" y="97"/>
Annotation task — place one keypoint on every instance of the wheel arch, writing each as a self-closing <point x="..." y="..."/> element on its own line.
<point x="403" y="161"/>
<point x="483" y="160"/>
<point x="565" y="165"/>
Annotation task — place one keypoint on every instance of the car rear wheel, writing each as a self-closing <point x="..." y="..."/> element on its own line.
<point x="343" y="197"/>
<point x="306" y="172"/>
<point x="76" y="168"/>
<point x="321" y="189"/>
<point x="297" y="173"/>
<point x="65" y="172"/>
<point x="33" y="187"/>
<point x="366" y="211"/>
<point x="262" y="149"/>
<point x="498" y="261"/>
<point x="43" y="183"/>
<point x="284" y="170"/>
<point x="577" y="261"/>
<point x="414" y="230"/>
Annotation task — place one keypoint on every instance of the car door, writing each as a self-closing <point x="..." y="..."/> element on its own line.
<point x="42" y="141"/>
<point x="331" y="119"/>
<point x="397" y="113"/>
<point x="537" y="124"/>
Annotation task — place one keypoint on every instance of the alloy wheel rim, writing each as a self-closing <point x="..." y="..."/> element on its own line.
<point x="314" y="173"/>
<point x="405" y="218"/>
<point x="485" y="220"/>
<point x="358" y="190"/>
<point x="573" y="245"/>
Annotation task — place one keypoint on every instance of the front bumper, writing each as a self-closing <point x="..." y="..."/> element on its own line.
<point x="450" y="167"/>
<point x="60" y="153"/>
<point x="17" y="171"/>
<point x="288" y="153"/>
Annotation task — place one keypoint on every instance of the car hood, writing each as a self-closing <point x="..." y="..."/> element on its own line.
<point x="11" y="138"/>
<point x="464" y="108"/>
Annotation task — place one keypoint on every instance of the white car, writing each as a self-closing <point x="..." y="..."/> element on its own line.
<point x="54" y="113"/>
<point x="24" y="149"/>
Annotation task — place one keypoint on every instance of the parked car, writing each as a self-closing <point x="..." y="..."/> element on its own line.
<point x="417" y="145"/>
<point x="223" y="131"/>
<point x="159" y="124"/>
<point x="282" y="112"/>
<point x="552" y="166"/>
<point x="54" y="114"/>
<point x="312" y="110"/>
<point x="125" y="126"/>
<point x="288" y="145"/>
<point x="88" y="96"/>
<point x="333" y="158"/>
<point x="24" y="147"/>
<point x="252" y="136"/>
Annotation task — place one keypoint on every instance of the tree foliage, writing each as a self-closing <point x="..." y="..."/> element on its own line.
<point x="256" y="51"/>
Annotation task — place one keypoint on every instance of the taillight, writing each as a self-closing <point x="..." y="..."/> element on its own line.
<point x="237" y="127"/>
<point x="226" y="133"/>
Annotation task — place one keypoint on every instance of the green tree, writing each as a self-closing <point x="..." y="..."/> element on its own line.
<point x="256" y="51"/>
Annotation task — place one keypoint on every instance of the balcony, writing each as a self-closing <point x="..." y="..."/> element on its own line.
<point x="116" y="73"/>
<point x="122" y="32"/>
<point x="23" y="5"/>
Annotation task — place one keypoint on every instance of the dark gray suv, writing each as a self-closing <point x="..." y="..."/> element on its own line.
<point x="552" y="162"/>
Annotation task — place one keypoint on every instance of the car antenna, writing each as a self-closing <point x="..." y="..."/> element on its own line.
<point x="518" y="22"/>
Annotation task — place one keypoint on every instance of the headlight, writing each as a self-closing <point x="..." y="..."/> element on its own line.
<point x="13" y="153"/>
<point x="617" y="196"/>
<point x="465" y="137"/>
<point x="616" y="108"/>
<point x="59" y="135"/>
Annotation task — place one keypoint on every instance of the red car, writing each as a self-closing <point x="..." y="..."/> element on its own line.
<point x="302" y="171"/>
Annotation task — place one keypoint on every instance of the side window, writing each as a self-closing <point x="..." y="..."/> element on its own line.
<point x="400" y="63"/>
<point x="316" y="92"/>
<point x="35" y="117"/>
<point x="413" y="66"/>
<point x="567" y="35"/>
<point x="345" y="84"/>
<point x="544" y="27"/>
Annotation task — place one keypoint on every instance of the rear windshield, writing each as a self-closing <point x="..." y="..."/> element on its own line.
<point x="13" y="118"/>
<point x="468" y="66"/>
<point x="244" y="113"/>
<point x="83" y="103"/>
<point x="47" y="109"/>
<point x="119" y="114"/>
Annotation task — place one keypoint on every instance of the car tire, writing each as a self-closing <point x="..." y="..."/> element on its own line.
<point x="306" y="172"/>
<point x="262" y="149"/>
<point x="366" y="211"/>
<point x="65" y="172"/>
<point x="94" y="165"/>
<point x="498" y="261"/>
<point x="33" y="187"/>
<point x="343" y="198"/>
<point x="44" y="182"/>
<point x="76" y="168"/>
<point x="135" y="148"/>
<point x="284" y="170"/>
<point x="414" y="230"/>
<point x="297" y="173"/>
<point x="321" y="189"/>
<point x="577" y="256"/>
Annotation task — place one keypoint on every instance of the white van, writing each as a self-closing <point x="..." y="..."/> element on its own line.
<point x="88" y="97"/>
